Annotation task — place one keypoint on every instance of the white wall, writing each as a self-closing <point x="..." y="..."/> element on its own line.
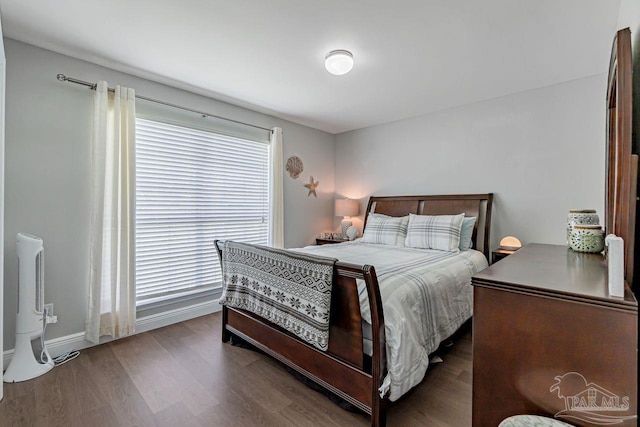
<point x="541" y="153"/>
<point x="48" y="172"/>
<point x="629" y="15"/>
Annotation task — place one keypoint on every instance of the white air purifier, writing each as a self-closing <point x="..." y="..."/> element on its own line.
<point x="30" y="318"/>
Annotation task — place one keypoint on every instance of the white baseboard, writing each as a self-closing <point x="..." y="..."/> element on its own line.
<point x="62" y="345"/>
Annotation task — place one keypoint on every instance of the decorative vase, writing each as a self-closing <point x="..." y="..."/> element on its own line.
<point x="586" y="238"/>
<point x="581" y="217"/>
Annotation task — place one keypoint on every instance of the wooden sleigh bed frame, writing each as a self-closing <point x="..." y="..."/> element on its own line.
<point x="344" y="369"/>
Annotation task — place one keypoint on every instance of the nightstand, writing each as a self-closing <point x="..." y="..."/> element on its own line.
<point x="320" y="241"/>
<point x="498" y="254"/>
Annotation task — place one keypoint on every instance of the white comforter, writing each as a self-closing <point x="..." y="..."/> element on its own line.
<point x="426" y="297"/>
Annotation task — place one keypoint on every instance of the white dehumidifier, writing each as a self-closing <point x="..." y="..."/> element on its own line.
<point x="30" y="318"/>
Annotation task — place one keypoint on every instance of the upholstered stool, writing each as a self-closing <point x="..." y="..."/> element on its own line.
<point x="531" y="421"/>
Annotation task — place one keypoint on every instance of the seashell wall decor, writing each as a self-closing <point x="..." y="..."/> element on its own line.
<point x="294" y="166"/>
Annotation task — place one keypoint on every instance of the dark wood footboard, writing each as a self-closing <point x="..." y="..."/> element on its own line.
<point x="343" y="368"/>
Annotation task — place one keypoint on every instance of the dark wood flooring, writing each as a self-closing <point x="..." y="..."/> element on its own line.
<point x="183" y="376"/>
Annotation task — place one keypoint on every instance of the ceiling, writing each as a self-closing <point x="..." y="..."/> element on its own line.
<point x="412" y="57"/>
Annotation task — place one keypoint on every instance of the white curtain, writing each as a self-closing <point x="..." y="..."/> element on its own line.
<point x="112" y="300"/>
<point x="276" y="192"/>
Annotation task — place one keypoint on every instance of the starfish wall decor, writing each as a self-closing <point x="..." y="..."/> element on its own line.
<point x="312" y="187"/>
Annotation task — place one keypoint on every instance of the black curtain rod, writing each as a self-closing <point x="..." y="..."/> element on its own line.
<point x="93" y="86"/>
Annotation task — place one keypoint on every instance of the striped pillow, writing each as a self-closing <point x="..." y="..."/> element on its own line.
<point x="386" y="230"/>
<point x="440" y="232"/>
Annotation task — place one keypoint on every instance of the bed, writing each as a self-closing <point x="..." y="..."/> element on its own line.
<point x="368" y="361"/>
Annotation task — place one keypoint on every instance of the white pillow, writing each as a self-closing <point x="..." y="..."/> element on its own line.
<point x="440" y="232"/>
<point x="385" y="230"/>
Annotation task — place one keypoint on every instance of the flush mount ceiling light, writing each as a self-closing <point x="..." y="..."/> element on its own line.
<point x="338" y="62"/>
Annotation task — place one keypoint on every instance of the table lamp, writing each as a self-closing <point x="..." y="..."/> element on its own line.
<point x="510" y="243"/>
<point x="346" y="208"/>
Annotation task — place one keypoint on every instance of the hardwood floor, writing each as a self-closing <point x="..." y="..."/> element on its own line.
<point x="182" y="375"/>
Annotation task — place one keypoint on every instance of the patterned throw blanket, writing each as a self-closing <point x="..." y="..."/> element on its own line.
<point x="292" y="290"/>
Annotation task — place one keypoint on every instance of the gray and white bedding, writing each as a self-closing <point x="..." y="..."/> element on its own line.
<point x="426" y="296"/>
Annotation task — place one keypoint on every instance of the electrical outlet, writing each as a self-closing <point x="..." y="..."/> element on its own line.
<point x="48" y="309"/>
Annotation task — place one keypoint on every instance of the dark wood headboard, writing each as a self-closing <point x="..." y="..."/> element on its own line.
<point x="478" y="205"/>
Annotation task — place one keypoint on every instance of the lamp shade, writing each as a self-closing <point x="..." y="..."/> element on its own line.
<point x="346" y="207"/>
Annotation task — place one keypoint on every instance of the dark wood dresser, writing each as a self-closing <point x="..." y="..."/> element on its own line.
<point x="548" y="340"/>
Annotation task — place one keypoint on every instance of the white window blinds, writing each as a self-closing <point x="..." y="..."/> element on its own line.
<point x="192" y="187"/>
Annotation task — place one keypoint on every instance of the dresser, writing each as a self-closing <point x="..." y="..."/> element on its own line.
<point x="548" y="340"/>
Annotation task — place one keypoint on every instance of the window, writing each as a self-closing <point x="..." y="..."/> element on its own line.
<point x="192" y="187"/>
